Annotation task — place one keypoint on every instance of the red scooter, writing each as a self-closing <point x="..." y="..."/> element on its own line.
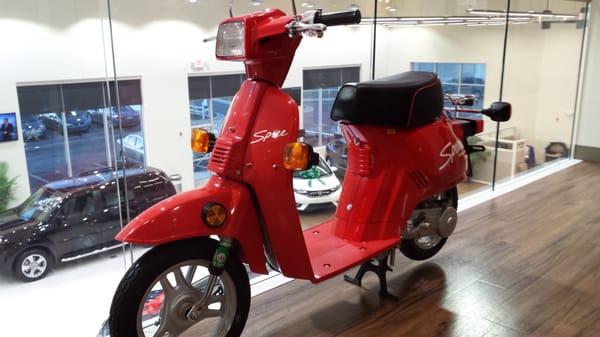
<point x="404" y="162"/>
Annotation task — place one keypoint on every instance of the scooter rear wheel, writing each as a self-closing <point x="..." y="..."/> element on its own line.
<point x="160" y="288"/>
<point x="423" y="248"/>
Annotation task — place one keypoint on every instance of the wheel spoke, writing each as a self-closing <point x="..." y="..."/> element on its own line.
<point x="189" y="275"/>
<point x="179" y="279"/>
<point x="162" y="330"/>
<point x="208" y="313"/>
<point x="166" y="286"/>
<point x="215" y="299"/>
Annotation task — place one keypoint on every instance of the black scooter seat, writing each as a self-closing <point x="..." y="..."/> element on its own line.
<point x="405" y="100"/>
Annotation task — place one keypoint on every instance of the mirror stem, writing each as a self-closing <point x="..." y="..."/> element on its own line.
<point x="294" y="7"/>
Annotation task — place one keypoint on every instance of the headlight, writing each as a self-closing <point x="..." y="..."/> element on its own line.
<point x="304" y="192"/>
<point x="230" y="39"/>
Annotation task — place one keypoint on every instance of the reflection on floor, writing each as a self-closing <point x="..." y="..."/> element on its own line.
<point x="523" y="264"/>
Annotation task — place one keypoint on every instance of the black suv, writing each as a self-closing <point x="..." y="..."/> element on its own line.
<point x="72" y="218"/>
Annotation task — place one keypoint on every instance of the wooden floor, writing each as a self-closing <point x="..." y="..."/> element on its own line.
<point x="524" y="264"/>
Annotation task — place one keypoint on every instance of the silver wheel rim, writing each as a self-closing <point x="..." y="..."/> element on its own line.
<point x="34" y="266"/>
<point x="428" y="242"/>
<point x="181" y="286"/>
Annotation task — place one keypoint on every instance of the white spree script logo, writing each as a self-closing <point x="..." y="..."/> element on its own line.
<point x="264" y="135"/>
<point x="449" y="152"/>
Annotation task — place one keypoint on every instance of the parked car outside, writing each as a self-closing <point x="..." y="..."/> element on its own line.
<point x="78" y="121"/>
<point x="133" y="146"/>
<point x="201" y="161"/>
<point x="317" y="186"/>
<point x="130" y="117"/>
<point x="73" y="218"/>
<point x="337" y="156"/>
<point x="33" y="129"/>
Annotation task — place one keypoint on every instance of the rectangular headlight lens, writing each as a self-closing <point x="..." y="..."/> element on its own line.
<point x="230" y="39"/>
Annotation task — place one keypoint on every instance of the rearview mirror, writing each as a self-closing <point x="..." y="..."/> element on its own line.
<point x="498" y="111"/>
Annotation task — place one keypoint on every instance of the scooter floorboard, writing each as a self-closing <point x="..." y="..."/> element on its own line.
<point x="331" y="255"/>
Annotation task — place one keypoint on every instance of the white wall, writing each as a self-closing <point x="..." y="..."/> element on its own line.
<point x="589" y="120"/>
<point x="158" y="40"/>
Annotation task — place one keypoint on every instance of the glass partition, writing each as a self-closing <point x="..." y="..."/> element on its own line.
<point x="57" y="245"/>
<point x="541" y="81"/>
<point x="210" y="98"/>
<point x="104" y="109"/>
<point x="464" y="49"/>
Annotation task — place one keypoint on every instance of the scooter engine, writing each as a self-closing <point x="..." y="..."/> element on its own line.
<point x="431" y="222"/>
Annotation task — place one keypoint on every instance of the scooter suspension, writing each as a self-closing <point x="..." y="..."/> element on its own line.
<point x="216" y="268"/>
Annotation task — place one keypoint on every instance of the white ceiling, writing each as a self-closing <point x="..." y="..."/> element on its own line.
<point x="411" y="7"/>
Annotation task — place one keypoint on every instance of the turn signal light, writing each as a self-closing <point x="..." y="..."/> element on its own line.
<point x="214" y="214"/>
<point x="202" y="141"/>
<point x="299" y="156"/>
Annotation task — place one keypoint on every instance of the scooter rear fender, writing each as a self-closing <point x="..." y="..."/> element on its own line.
<point x="180" y="217"/>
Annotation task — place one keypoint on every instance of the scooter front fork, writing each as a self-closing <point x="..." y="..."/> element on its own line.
<point x="380" y="269"/>
<point x="216" y="268"/>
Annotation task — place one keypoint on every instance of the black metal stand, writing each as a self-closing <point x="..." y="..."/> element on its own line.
<point x="380" y="269"/>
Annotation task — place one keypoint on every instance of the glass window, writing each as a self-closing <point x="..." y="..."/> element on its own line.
<point x="422" y="66"/>
<point x="79" y="205"/>
<point x="68" y="126"/>
<point x="320" y="88"/>
<point x="448" y="72"/>
<point x="210" y="98"/>
<point x="458" y="79"/>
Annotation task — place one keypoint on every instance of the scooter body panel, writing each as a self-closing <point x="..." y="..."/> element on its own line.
<point x="180" y="217"/>
<point x="275" y="125"/>
<point x="390" y="171"/>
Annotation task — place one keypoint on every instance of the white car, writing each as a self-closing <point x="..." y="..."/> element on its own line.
<point x="133" y="146"/>
<point x="317" y="185"/>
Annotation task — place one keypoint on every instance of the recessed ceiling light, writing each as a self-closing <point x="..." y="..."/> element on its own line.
<point x="256" y="2"/>
<point x="308" y="4"/>
<point x="193" y="1"/>
<point x="354" y="6"/>
<point x="391" y="9"/>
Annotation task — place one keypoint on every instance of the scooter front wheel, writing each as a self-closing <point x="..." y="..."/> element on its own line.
<point x="157" y="292"/>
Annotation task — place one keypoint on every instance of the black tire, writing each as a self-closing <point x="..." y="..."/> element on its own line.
<point x="144" y="272"/>
<point x="409" y="247"/>
<point x="34" y="253"/>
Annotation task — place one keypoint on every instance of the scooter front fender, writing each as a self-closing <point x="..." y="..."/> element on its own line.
<point x="180" y="217"/>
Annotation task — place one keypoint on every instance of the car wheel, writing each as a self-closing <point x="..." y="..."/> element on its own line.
<point x="33" y="265"/>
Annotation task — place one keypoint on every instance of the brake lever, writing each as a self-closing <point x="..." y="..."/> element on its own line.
<point x="314" y="29"/>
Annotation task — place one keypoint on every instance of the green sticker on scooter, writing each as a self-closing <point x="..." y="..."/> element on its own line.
<point x="220" y="257"/>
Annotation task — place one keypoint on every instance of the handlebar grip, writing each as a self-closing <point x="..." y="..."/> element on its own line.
<point x="339" y="18"/>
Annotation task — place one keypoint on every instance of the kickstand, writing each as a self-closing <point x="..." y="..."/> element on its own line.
<point x="380" y="269"/>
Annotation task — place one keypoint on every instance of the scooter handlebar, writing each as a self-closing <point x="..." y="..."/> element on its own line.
<point x="338" y="18"/>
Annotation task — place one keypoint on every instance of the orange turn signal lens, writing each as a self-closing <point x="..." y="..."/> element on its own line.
<point x="202" y="141"/>
<point x="214" y="214"/>
<point x="296" y="156"/>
